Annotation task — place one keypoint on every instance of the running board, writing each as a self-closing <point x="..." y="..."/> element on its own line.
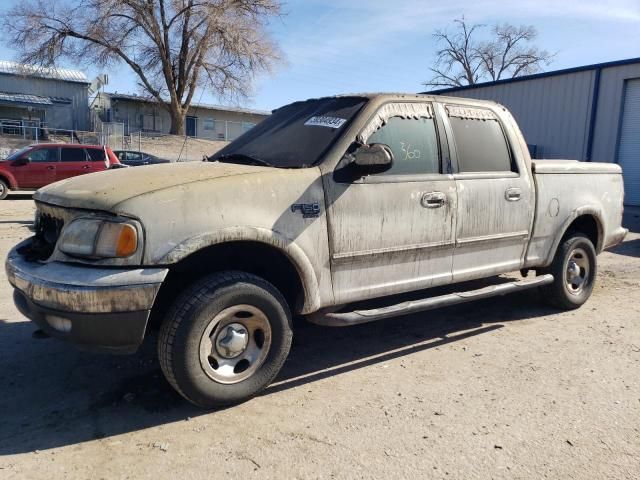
<point x="364" y="316"/>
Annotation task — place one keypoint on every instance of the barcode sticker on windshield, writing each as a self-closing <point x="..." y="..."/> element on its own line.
<point x="329" y="122"/>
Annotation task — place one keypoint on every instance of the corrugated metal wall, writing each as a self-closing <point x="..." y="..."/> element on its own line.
<point x="629" y="144"/>
<point x="609" y="117"/>
<point x="553" y="112"/>
<point x="63" y="116"/>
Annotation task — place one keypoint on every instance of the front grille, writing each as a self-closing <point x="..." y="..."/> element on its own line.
<point x="47" y="228"/>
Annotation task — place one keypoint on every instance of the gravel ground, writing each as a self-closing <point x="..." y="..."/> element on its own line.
<point x="503" y="388"/>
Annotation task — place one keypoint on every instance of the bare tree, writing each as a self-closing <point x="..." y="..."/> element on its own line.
<point x="174" y="46"/>
<point x="463" y="59"/>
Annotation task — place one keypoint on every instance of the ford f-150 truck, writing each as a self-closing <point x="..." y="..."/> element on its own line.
<point x="326" y="203"/>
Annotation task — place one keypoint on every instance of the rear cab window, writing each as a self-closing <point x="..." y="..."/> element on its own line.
<point x="480" y="140"/>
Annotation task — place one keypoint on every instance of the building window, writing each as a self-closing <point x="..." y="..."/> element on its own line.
<point x="209" y="124"/>
<point x="246" y="126"/>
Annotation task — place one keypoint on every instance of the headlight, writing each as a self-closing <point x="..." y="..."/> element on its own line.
<point x="94" y="238"/>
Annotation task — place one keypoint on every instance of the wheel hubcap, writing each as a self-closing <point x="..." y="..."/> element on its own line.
<point x="577" y="271"/>
<point x="232" y="340"/>
<point x="235" y="344"/>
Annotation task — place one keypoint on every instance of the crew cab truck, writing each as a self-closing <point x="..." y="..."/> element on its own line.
<point x="326" y="203"/>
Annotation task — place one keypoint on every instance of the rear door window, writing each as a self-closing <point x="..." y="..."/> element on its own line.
<point x="73" y="155"/>
<point x="44" y="155"/>
<point x="480" y="141"/>
<point x="96" y="154"/>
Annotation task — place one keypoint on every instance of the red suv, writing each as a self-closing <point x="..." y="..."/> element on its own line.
<point x="39" y="165"/>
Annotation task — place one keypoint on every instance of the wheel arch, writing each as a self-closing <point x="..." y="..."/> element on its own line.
<point x="259" y="251"/>
<point x="9" y="180"/>
<point x="586" y="220"/>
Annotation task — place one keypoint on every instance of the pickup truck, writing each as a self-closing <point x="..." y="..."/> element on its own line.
<point x="326" y="204"/>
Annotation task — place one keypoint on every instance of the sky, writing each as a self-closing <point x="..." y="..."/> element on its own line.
<point x="345" y="46"/>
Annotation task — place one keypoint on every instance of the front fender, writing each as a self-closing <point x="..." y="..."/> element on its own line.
<point x="9" y="179"/>
<point x="275" y="239"/>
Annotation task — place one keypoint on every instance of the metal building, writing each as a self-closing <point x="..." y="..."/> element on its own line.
<point x="32" y="98"/>
<point x="589" y="113"/>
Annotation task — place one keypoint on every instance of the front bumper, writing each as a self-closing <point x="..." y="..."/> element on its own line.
<point x="100" y="309"/>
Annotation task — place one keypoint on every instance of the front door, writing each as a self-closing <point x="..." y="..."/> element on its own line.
<point x="495" y="199"/>
<point x="41" y="169"/>
<point x="192" y="126"/>
<point x="393" y="232"/>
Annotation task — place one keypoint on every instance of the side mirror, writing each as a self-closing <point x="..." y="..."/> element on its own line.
<point x="374" y="158"/>
<point x="21" y="161"/>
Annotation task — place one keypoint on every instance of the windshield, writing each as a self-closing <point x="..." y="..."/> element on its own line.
<point x="18" y="154"/>
<point x="294" y="136"/>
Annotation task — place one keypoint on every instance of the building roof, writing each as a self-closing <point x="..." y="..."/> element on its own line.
<point x="140" y="98"/>
<point x="23" y="98"/>
<point x="64" y="74"/>
<point x="565" y="71"/>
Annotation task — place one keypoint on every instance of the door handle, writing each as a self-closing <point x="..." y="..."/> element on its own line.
<point x="86" y="167"/>
<point x="433" y="200"/>
<point x="513" y="194"/>
<point x="51" y="167"/>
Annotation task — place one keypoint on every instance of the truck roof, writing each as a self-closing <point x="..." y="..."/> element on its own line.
<point x="381" y="97"/>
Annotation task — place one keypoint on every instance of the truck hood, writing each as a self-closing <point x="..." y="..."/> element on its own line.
<point x="105" y="190"/>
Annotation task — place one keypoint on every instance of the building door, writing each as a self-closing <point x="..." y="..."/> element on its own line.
<point x="192" y="126"/>
<point x="629" y="147"/>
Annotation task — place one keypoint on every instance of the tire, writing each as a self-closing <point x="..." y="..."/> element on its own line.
<point x="4" y="189"/>
<point x="574" y="269"/>
<point x="225" y="339"/>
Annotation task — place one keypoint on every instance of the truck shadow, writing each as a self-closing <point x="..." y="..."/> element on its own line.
<point x="630" y="248"/>
<point x="55" y="396"/>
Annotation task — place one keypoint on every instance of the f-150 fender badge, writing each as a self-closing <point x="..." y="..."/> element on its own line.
<point x="308" y="210"/>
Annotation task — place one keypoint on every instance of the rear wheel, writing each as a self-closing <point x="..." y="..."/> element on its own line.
<point x="225" y="339"/>
<point x="4" y="189"/>
<point x="574" y="269"/>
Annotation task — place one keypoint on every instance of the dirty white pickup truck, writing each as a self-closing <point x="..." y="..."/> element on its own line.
<point x="326" y="203"/>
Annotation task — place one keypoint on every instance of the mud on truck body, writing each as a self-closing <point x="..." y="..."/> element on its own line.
<point x="326" y="203"/>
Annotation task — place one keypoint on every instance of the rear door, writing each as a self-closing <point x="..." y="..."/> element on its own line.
<point x="495" y="200"/>
<point x="41" y="169"/>
<point x="74" y="161"/>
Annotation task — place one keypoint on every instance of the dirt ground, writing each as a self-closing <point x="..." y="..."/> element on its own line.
<point x="503" y="388"/>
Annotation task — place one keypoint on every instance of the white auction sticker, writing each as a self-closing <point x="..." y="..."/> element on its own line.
<point x="330" y="122"/>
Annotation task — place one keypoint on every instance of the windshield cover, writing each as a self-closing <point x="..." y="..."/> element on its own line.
<point x="294" y="136"/>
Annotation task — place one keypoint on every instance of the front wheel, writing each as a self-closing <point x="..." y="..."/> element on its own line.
<point x="225" y="339"/>
<point x="574" y="269"/>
